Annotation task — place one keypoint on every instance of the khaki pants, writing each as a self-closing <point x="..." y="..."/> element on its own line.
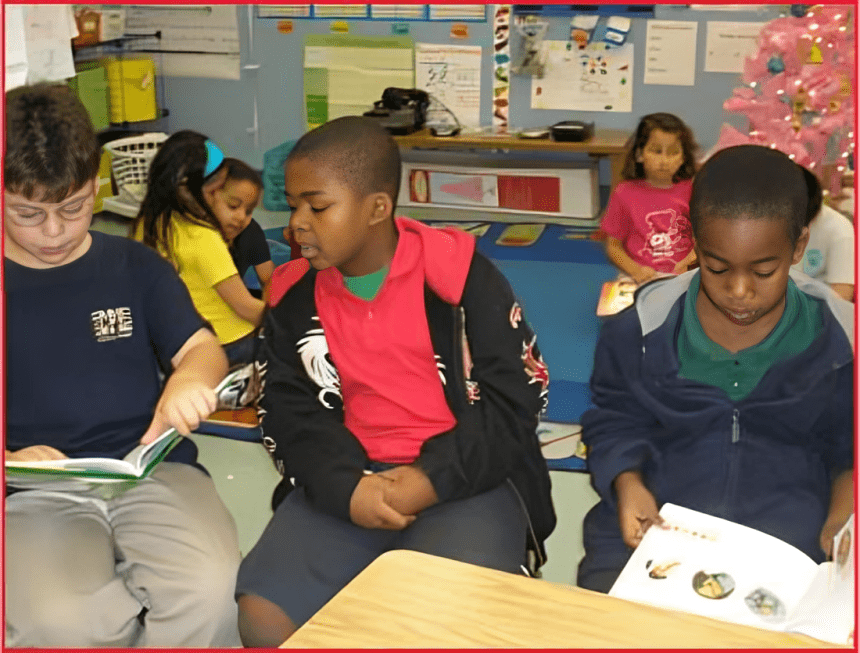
<point x="80" y="569"/>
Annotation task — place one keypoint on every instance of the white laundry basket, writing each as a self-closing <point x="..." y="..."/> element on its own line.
<point x="130" y="160"/>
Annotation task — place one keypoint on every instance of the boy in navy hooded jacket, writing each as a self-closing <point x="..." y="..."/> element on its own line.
<point x="729" y="389"/>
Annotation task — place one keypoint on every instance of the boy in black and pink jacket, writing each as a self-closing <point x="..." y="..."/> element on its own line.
<point x="402" y="389"/>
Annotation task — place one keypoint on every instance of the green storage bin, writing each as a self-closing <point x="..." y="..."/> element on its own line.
<point x="91" y="86"/>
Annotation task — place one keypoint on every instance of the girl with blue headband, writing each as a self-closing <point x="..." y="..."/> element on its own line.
<point x="177" y="218"/>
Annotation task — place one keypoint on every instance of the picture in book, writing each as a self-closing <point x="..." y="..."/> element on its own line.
<point x="713" y="567"/>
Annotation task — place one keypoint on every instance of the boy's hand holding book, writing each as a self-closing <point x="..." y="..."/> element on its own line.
<point x="683" y="266"/>
<point x="35" y="453"/>
<point x="637" y="508"/>
<point x="184" y="403"/>
<point x="642" y="274"/>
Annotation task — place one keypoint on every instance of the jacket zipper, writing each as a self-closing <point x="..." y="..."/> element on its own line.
<point x="731" y="479"/>
<point x="736" y="428"/>
<point x="459" y="374"/>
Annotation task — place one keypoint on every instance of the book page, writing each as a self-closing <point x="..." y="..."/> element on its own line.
<point x="715" y="568"/>
<point x="827" y="609"/>
<point x="144" y="457"/>
<point x="68" y="467"/>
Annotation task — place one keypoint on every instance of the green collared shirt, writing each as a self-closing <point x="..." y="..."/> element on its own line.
<point x="701" y="359"/>
<point x="368" y="285"/>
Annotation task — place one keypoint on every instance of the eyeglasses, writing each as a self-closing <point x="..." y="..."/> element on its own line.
<point x="26" y="213"/>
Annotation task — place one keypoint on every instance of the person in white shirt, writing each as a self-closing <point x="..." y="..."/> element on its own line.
<point x="829" y="255"/>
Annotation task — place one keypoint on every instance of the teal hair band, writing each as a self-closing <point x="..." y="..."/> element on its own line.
<point x="214" y="158"/>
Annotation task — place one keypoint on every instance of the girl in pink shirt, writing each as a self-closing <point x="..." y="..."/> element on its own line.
<point x="647" y="219"/>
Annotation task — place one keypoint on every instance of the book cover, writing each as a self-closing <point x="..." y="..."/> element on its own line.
<point x="559" y="440"/>
<point x="615" y="296"/>
<point x="520" y="235"/>
<point x="715" y="568"/>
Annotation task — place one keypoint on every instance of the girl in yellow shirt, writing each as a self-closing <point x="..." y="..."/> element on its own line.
<point x="179" y="218"/>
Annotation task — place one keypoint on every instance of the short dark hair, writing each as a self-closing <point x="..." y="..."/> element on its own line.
<point x="751" y="182"/>
<point x="238" y="170"/>
<point x="51" y="146"/>
<point x="815" y="195"/>
<point x="358" y="150"/>
<point x="671" y="124"/>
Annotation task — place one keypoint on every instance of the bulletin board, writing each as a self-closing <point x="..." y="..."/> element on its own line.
<point x="344" y="75"/>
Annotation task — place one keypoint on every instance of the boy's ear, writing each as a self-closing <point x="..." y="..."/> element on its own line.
<point x="800" y="247"/>
<point x="381" y="208"/>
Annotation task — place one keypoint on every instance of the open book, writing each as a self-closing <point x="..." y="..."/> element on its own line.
<point x="719" y="569"/>
<point x="138" y="464"/>
<point x="615" y="296"/>
<point x="620" y="293"/>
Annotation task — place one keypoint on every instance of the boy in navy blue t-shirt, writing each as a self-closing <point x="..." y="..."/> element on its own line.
<point x="90" y="318"/>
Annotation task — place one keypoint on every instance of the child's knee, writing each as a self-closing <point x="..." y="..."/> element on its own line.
<point x="74" y="621"/>
<point x="211" y="584"/>
<point x="262" y="624"/>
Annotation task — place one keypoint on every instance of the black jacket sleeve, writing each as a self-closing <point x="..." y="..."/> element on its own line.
<point x="302" y="423"/>
<point x="497" y="401"/>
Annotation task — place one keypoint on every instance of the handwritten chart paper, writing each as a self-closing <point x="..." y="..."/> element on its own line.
<point x="670" y="52"/>
<point x="452" y="75"/>
<point x="728" y="44"/>
<point x="596" y="78"/>
<point x="345" y="75"/>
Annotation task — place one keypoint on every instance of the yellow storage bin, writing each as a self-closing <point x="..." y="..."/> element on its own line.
<point x="131" y="83"/>
<point x="105" y="186"/>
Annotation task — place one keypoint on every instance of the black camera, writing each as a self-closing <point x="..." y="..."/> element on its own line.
<point x="401" y="110"/>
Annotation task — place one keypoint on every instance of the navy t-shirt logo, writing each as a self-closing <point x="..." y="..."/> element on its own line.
<point x="111" y="323"/>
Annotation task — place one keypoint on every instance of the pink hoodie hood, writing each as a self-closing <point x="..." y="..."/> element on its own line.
<point x="447" y="255"/>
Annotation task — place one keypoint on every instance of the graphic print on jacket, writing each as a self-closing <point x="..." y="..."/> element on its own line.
<point x="313" y="350"/>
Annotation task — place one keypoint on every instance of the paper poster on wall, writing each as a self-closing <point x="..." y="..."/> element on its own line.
<point x="16" y="51"/>
<point x="451" y="74"/>
<point x="670" y="52"/>
<point x="48" y="30"/>
<point x="595" y="78"/>
<point x="344" y="75"/>
<point x="728" y="44"/>
<point x="197" y="40"/>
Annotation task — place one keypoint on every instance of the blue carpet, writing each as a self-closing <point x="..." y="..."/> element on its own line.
<point x="550" y="246"/>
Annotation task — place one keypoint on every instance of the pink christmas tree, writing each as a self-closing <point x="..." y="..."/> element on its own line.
<point x="798" y="93"/>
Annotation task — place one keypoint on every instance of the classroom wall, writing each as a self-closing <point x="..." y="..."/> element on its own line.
<point x="223" y="109"/>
